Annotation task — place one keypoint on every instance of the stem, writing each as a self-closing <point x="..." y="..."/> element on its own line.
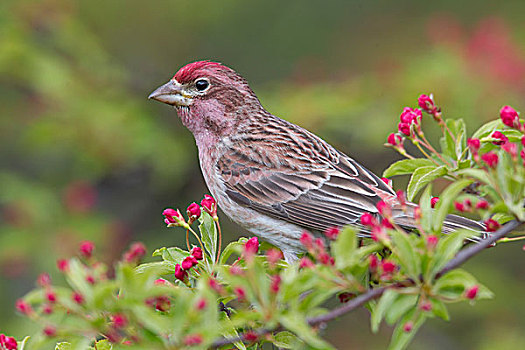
<point x="216" y="219"/>
<point x="417" y="143"/>
<point x="433" y="150"/>
<point x="196" y="236"/>
<point x="188" y="239"/>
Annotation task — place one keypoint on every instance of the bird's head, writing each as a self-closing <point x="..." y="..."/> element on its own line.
<point x="207" y="95"/>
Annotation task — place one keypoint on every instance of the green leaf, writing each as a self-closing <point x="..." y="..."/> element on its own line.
<point x="296" y="323"/>
<point x="446" y="249"/>
<point x="406" y="253"/>
<point x="22" y="344"/>
<point x="400" y="307"/>
<point x="400" y="338"/>
<point x="439" y="309"/>
<point x="426" y="209"/>
<point x="422" y="176"/>
<point x="477" y="174"/>
<point x="158" y="267"/>
<point x="286" y="340"/>
<point x="208" y="232"/>
<point x="232" y="247"/>
<point x="103" y="344"/>
<point x="344" y="248"/>
<point x="449" y="147"/>
<point x="487" y="128"/>
<point x="453" y="284"/>
<point x="379" y="311"/>
<point x="63" y="346"/>
<point x="445" y="201"/>
<point x="406" y="166"/>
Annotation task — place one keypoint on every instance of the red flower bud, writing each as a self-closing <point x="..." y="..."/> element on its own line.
<point x="426" y="103"/>
<point x="273" y="256"/>
<point x="472" y="292"/>
<point x="119" y="321"/>
<point x="135" y="252"/>
<point x="51" y="296"/>
<point x="78" y="298"/>
<point x="171" y="214"/>
<point x="523" y="141"/>
<point x="367" y="219"/>
<point x="236" y="270"/>
<point x="394" y="139"/>
<point x="387" y="266"/>
<point x="251" y="247"/>
<point x="251" y="336"/>
<point x="50" y="331"/>
<point x="426" y="306"/>
<point x="407" y="327"/>
<point x="201" y="304"/>
<point x="43" y="280"/>
<point x="491" y="225"/>
<point x="432" y="241"/>
<point x="433" y="201"/>
<point x="459" y="206"/>
<point x="8" y="343"/>
<point x="500" y="137"/>
<point x="47" y="309"/>
<point x="491" y="159"/>
<point x="23" y="307"/>
<point x="197" y="253"/>
<point x="240" y="293"/>
<point x="194" y="211"/>
<point x="306" y="263"/>
<point x="86" y="249"/>
<point x="474" y="145"/>
<point x="345" y="297"/>
<point x="409" y="116"/>
<point x="383" y="208"/>
<point x="332" y="232"/>
<point x="510" y="148"/>
<point x="509" y="117"/>
<point x="404" y="128"/>
<point x="90" y="279"/>
<point x="325" y="259"/>
<point x="387" y="181"/>
<point x="215" y="285"/>
<point x="482" y="204"/>
<point x="180" y="274"/>
<point x="401" y="197"/>
<point x="188" y="262"/>
<point x="209" y="205"/>
<point x="192" y="339"/>
<point x="63" y="265"/>
<point x="307" y="240"/>
<point x="275" y="283"/>
<point x="373" y="262"/>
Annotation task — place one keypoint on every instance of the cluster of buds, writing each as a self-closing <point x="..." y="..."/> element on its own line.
<point x="491" y="225"/>
<point x="379" y="227"/>
<point x="426" y="102"/>
<point x="181" y="270"/>
<point x="250" y="249"/>
<point x="510" y="117"/>
<point x="385" y="268"/>
<point x="136" y="252"/>
<point x="316" y="248"/>
<point x="209" y="205"/>
<point x="8" y="343"/>
<point x="174" y="217"/>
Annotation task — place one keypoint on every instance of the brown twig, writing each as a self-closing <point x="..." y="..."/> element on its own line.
<point x="375" y="293"/>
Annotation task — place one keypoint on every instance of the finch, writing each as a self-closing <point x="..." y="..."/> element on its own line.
<point x="270" y="176"/>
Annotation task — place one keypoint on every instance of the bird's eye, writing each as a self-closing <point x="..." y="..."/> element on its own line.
<point x="202" y="84"/>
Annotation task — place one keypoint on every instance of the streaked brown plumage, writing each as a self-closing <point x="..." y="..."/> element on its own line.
<point x="272" y="177"/>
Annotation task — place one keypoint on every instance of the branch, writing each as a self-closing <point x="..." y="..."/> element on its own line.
<point x="353" y="304"/>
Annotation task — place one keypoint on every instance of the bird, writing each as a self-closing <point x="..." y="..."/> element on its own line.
<point x="270" y="176"/>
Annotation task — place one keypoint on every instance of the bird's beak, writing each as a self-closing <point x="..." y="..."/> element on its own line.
<point x="171" y="93"/>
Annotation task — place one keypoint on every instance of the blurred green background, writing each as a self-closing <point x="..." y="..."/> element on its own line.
<point x="85" y="155"/>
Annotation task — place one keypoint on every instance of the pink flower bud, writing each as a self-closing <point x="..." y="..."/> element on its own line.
<point x="332" y="233"/>
<point x="373" y="262"/>
<point x="491" y="225"/>
<point x="491" y="159"/>
<point x="510" y="148"/>
<point x="426" y="103"/>
<point x="482" y="204"/>
<point x="404" y="128"/>
<point x="306" y="263"/>
<point x="201" y="304"/>
<point x="47" y="309"/>
<point x="119" y="321"/>
<point x="8" y="342"/>
<point x="474" y="145"/>
<point x="378" y="233"/>
<point x="180" y="273"/>
<point x="194" y="211"/>
<point x="426" y="306"/>
<point x="251" y="247"/>
<point x="509" y="117"/>
<point x="388" y="266"/>
<point x="307" y="240"/>
<point x="188" y="262"/>
<point x="273" y="256"/>
<point x="90" y="279"/>
<point x="51" y="296"/>
<point x="209" y="205"/>
<point x="459" y="206"/>
<point x="161" y="282"/>
<point x="394" y="139"/>
<point x="401" y="197"/>
<point x="197" y="253"/>
<point x="433" y="201"/>
<point x="472" y="292"/>
<point x="215" y="285"/>
<point x="275" y="283"/>
<point x="240" y="293"/>
<point x="500" y="138"/>
<point x="387" y="181"/>
<point x="251" y="336"/>
<point x="50" y="331"/>
<point x="325" y="259"/>
<point x="23" y="307"/>
<point x="367" y="219"/>
<point x="193" y="339"/>
<point x="383" y="208"/>
<point x="86" y="249"/>
<point x="417" y="213"/>
<point x="63" y="265"/>
<point x="523" y="141"/>
<point x="171" y="214"/>
<point x="236" y="270"/>
<point x="77" y="298"/>
<point x="432" y="241"/>
<point x="407" y="327"/>
<point x="43" y="280"/>
<point x="135" y="252"/>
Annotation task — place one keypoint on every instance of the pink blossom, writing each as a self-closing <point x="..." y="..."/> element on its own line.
<point x="87" y="248"/>
<point x="491" y="159"/>
<point x="509" y="117"/>
<point x="197" y="253"/>
<point x="180" y="273"/>
<point x="472" y="292"/>
<point x="474" y="145"/>
<point x="426" y="103"/>
<point x="209" y="205"/>
<point x="332" y="232"/>
<point x="394" y="139"/>
<point x="194" y="211"/>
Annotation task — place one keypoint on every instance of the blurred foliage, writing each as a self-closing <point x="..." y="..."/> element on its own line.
<point x="85" y="155"/>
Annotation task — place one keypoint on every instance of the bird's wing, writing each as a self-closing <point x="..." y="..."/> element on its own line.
<point x="292" y="175"/>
